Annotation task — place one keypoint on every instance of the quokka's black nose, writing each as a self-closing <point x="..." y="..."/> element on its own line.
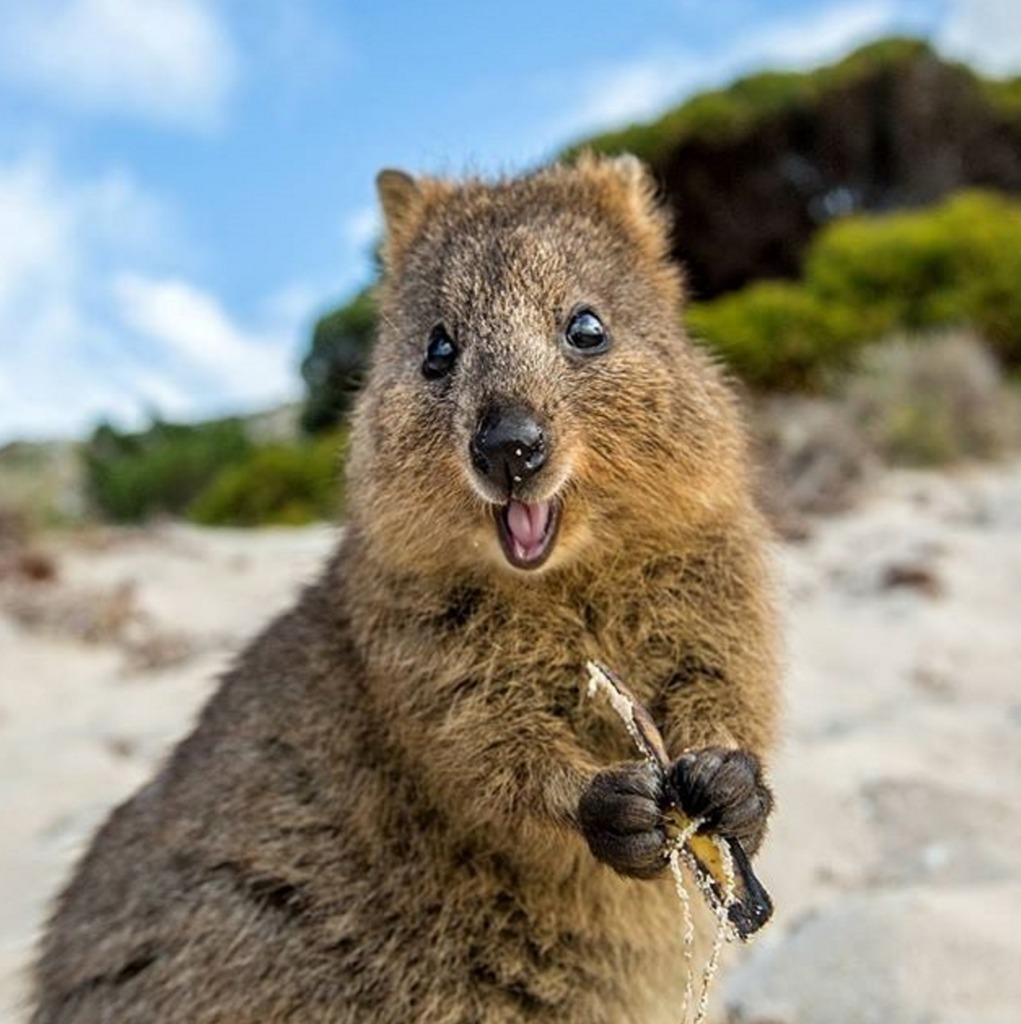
<point x="509" y="446"/>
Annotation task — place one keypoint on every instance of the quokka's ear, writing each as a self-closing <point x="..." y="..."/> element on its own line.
<point x="633" y="174"/>
<point x="401" y="200"/>
<point x="626" y="185"/>
<point x="399" y="194"/>
<point x="404" y="200"/>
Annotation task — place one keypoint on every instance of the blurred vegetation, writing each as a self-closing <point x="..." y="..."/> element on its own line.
<point x="869" y="276"/>
<point x="42" y="482"/>
<point x="958" y="262"/>
<point x="276" y="484"/>
<point x="932" y="400"/>
<point x="1004" y="95"/>
<point x="752" y="171"/>
<point x="776" y="335"/>
<point x="212" y="473"/>
<point x="922" y="400"/>
<point x="336" y="363"/>
<point x="724" y="114"/>
<point x="135" y="476"/>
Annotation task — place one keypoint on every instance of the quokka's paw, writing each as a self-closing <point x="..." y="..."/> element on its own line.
<point x="725" y="788"/>
<point x="621" y="818"/>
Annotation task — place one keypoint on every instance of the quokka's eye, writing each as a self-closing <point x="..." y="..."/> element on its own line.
<point x="586" y="334"/>
<point x="440" y="354"/>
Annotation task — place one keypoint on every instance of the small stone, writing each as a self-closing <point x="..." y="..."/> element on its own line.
<point x="912" y="576"/>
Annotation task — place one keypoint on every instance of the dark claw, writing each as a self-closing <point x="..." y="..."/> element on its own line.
<point x="621" y="819"/>
<point x="726" y="789"/>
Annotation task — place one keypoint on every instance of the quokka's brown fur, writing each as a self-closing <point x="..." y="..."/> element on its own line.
<point x="376" y="818"/>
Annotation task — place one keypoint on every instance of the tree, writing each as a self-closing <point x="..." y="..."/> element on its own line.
<point x="335" y="366"/>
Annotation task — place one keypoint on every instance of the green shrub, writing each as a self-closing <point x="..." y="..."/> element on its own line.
<point x="334" y="368"/>
<point x="989" y="287"/>
<point x="1004" y="95"/>
<point x="276" y="484"/>
<point x="133" y="476"/>
<point x="897" y="271"/>
<point x="775" y="335"/>
<point x="959" y="262"/>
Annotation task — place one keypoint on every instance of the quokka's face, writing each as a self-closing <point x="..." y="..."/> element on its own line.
<point x="528" y="397"/>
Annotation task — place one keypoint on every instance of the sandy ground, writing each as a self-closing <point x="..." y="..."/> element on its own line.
<point x="894" y="859"/>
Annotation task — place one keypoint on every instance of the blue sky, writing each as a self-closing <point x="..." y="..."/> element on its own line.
<point x="185" y="184"/>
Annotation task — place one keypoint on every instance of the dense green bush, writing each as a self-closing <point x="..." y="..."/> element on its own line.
<point x="868" y="276"/>
<point x="336" y="363"/>
<point x="132" y="476"/>
<point x="1005" y="95"/>
<point x="276" y="484"/>
<point x="775" y="335"/>
<point x="959" y="262"/>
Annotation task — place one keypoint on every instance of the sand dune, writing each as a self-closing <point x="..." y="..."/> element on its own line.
<point x="894" y="859"/>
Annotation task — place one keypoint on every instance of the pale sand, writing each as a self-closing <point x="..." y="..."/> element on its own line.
<point x="895" y="858"/>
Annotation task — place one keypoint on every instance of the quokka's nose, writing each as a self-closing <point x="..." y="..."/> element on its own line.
<point x="509" y="446"/>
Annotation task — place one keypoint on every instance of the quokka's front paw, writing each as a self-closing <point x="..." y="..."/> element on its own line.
<point x="622" y="820"/>
<point x="726" y="789"/>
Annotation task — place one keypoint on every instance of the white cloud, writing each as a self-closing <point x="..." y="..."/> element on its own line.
<point x="31" y="231"/>
<point x="170" y="60"/>
<point x="643" y="88"/>
<point x="49" y="234"/>
<point x="821" y="37"/>
<point x="199" y="339"/>
<point x="984" y="32"/>
<point x="83" y="337"/>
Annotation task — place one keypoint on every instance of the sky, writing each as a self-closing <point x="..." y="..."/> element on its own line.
<point x="186" y="184"/>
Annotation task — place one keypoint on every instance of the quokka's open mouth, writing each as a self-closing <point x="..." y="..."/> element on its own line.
<point x="527" y="531"/>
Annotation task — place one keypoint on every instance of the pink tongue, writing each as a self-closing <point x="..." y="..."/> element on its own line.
<point x="527" y="525"/>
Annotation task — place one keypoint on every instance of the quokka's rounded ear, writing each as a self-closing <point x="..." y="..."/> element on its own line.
<point x="405" y="201"/>
<point x="399" y="194"/>
<point x="626" y="185"/>
<point x="624" y="176"/>
<point x="632" y="173"/>
<point x="401" y="198"/>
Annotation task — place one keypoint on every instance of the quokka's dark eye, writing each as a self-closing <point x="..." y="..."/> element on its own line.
<point x="586" y="334"/>
<point x="440" y="354"/>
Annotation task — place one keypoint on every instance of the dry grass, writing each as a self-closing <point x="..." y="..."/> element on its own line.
<point x="921" y="401"/>
<point x="19" y="558"/>
<point x="933" y="401"/>
<point x="812" y="460"/>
